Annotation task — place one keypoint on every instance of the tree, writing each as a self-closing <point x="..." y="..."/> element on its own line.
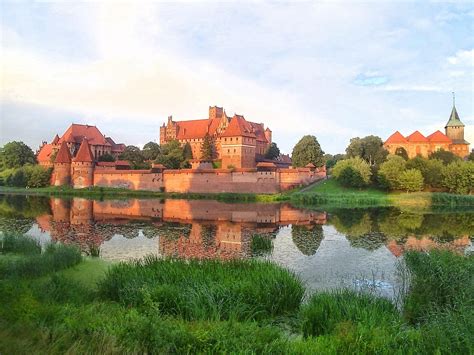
<point x="15" y="155"/>
<point x="272" y="152"/>
<point x="207" y="148"/>
<point x="430" y="169"/>
<point x="306" y="151"/>
<point x="445" y="156"/>
<point x="187" y="151"/>
<point x="171" y="155"/>
<point x="458" y="177"/>
<point x="401" y="152"/>
<point x="390" y="171"/>
<point x="352" y="172"/>
<point x="331" y="160"/>
<point x="106" y="157"/>
<point x="369" y="148"/>
<point x="470" y="157"/>
<point x="133" y="155"/>
<point x="411" y="180"/>
<point x="151" y="150"/>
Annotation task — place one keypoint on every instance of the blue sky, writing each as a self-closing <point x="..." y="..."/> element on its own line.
<point x="335" y="70"/>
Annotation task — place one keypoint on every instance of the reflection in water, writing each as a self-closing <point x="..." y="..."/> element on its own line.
<point x="325" y="249"/>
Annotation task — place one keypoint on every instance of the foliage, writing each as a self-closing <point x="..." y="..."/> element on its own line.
<point x="272" y="152"/>
<point x="411" y="180"/>
<point x="445" y="156"/>
<point x="390" y="171"/>
<point x="331" y="160"/>
<point x="306" y="151"/>
<point x="171" y="155"/>
<point x="207" y="148"/>
<point x="470" y="157"/>
<point x="29" y="176"/>
<point x="431" y="169"/>
<point x="151" y="150"/>
<point x="15" y="155"/>
<point x="187" y="151"/>
<point x="261" y="245"/>
<point x="458" y="177"/>
<point x="106" y="157"/>
<point x="352" y="172"/>
<point x="369" y="148"/>
<point x="134" y="156"/>
<point x="205" y="290"/>
<point x="401" y="152"/>
<point x="20" y="244"/>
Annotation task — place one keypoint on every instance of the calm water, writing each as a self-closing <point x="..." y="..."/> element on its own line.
<point x="355" y="248"/>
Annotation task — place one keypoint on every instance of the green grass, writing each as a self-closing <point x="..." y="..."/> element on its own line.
<point x="261" y="245"/>
<point x="245" y="307"/>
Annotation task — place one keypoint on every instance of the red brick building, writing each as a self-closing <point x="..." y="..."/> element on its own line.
<point x="237" y="142"/>
<point x="73" y="137"/>
<point x="417" y="144"/>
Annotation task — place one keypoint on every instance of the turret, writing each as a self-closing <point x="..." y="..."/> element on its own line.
<point x="455" y="128"/>
<point x="62" y="166"/>
<point x="268" y="135"/>
<point x="83" y="167"/>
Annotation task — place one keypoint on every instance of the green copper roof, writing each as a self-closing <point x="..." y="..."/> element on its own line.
<point x="454" y="120"/>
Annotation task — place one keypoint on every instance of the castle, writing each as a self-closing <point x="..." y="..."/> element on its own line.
<point x="238" y="143"/>
<point x="417" y="144"/>
<point x="73" y="137"/>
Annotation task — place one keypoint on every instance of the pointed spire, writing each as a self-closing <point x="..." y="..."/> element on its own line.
<point x="63" y="156"/>
<point x="55" y="139"/>
<point x="454" y="120"/>
<point x="84" y="153"/>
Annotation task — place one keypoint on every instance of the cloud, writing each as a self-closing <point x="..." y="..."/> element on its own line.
<point x="370" y="80"/>
<point x="462" y="57"/>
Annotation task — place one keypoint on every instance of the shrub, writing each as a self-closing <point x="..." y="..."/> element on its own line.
<point x="445" y="156"/>
<point x="389" y="172"/>
<point x="19" y="244"/>
<point x="210" y="289"/>
<point x="458" y="177"/>
<point x="29" y="176"/>
<point x="411" y="180"/>
<point x="353" y="172"/>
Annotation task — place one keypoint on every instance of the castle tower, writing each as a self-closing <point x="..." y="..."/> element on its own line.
<point x="268" y="135"/>
<point x="62" y="166"/>
<point x="455" y="128"/>
<point x="83" y="167"/>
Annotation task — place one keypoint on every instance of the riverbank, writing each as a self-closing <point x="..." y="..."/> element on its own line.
<point x="58" y="302"/>
<point x="327" y="193"/>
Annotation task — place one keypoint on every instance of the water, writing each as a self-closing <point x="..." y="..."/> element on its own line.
<point x="357" y="248"/>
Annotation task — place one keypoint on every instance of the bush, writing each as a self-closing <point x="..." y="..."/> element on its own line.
<point x="445" y="156"/>
<point x="211" y="289"/>
<point x="29" y="176"/>
<point x="390" y="171"/>
<point x="458" y="177"/>
<point x="411" y="180"/>
<point x="19" y="244"/>
<point x="353" y="172"/>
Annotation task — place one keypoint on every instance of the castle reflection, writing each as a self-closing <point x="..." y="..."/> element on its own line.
<point x="187" y="228"/>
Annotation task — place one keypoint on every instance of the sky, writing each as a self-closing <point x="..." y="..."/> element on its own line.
<point x="335" y="70"/>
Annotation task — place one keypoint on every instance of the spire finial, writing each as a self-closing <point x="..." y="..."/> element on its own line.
<point x="454" y="99"/>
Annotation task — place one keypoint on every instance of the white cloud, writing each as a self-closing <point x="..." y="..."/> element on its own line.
<point x="462" y="57"/>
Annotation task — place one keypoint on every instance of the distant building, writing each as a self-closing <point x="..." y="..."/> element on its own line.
<point x="238" y="143"/>
<point x="73" y="137"/>
<point x="417" y="144"/>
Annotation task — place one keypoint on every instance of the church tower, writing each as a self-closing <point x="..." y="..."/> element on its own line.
<point x="455" y="128"/>
<point x="62" y="166"/>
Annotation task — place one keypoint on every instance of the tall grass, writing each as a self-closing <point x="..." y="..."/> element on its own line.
<point x="261" y="245"/>
<point x="19" y="244"/>
<point x="239" y="289"/>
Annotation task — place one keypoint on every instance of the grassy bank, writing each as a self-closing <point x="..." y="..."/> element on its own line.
<point x="331" y="193"/>
<point x="171" y="306"/>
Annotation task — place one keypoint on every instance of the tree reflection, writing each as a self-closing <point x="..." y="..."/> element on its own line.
<point x="307" y="238"/>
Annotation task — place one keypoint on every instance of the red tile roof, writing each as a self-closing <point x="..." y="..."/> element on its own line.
<point x="76" y="133"/>
<point x="84" y="153"/>
<point x="63" y="156"/>
<point x="259" y="132"/>
<point x="55" y="139"/>
<point x="193" y="129"/>
<point x="396" y="138"/>
<point x="417" y="137"/>
<point x="238" y="126"/>
<point x="44" y="154"/>
<point x="439" y="137"/>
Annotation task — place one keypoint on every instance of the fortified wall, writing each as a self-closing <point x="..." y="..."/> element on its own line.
<point x="82" y="172"/>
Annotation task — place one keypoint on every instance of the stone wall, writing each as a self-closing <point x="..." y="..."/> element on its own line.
<point x="129" y="179"/>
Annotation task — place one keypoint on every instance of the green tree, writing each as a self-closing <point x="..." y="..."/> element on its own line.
<point x="470" y="157"/>
<point x="272" y="152"/>
<point x="353" y="172"/>
<point x="106" y="157"/>
<point x="411" y="180"/>
<point x="458" y="177"/>
<point x="171" y="155"/>
<point x="187" y="151"/>
<point x="389" y="172"/>
<point x="207" y="148"/>
<point x="15" y="155"/>
<point x="445" y="156"/>
<point x="431" y="169"/>
<point x="401" y="152"/>
<point x="133" y="155"/>
<point x="306" y="151"/>
<point x="369" y="148"/>
<point x="151" y="150"/>
<point x="331" y="160"/>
